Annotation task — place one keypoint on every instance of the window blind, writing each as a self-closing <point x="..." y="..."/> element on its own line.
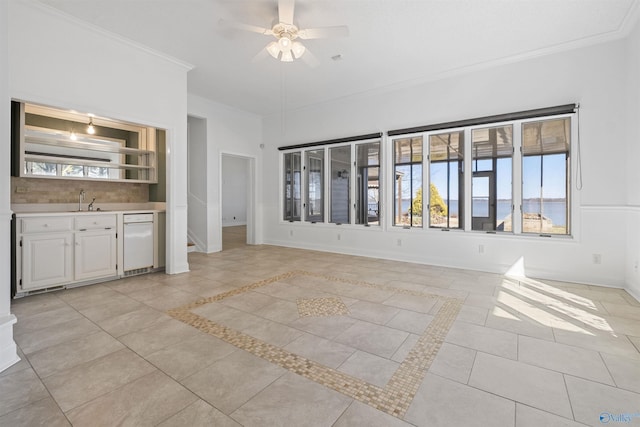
<point x="333" y="141"/>
<point x="520" y="115"/>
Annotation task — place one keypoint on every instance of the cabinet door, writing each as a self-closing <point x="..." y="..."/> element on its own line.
<point x="95" y="254"/>
<point x="46" y="260"/>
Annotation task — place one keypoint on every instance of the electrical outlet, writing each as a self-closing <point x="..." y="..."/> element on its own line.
<point x="21" y="189"/>
<point x="338" y="236"/>
<point x="290" y="233"/>
<point x="597" y="259"/>
<point x="399" y="242"/>
<point x="481" y="249"/>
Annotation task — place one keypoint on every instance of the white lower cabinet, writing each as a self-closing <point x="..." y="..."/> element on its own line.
<point x="63" y="250"/>
<point x="47" y="260"/>
<point x="95" y="254"/>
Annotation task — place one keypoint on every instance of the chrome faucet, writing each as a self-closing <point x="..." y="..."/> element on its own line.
<point x="90" y="207"/>
<point x="80" y="200"/>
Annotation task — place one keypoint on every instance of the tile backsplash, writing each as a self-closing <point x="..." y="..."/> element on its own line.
<point x="43" y="190"/>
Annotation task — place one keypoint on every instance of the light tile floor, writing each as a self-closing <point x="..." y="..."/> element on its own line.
<point x="159" y="349"/>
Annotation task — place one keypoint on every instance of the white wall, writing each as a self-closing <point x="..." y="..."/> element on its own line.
<point x="231" y="132"/>
<point x="633" y="157"/>
<point x="594" y="77"/>
<point x="234" y="190"/>
<point x="8" y="352"/>
<point x="59" y="61"/>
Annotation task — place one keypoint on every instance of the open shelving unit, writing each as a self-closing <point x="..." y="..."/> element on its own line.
<point x="64" y="154"/>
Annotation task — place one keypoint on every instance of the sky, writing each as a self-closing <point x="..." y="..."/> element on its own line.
<point x="554" y="184"/>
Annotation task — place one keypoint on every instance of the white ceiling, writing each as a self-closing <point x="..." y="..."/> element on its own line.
<point x="391" y="42"/>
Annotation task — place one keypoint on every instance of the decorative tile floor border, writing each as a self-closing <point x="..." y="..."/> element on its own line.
<point x="319" y="307"/>
<point x="393" y="399"/>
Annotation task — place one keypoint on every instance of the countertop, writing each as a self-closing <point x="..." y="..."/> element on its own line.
<point x="42" y="209"/>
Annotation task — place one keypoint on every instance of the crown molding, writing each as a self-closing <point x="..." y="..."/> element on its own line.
<point x="108" y="34"/>
<point x="628" y="23"/>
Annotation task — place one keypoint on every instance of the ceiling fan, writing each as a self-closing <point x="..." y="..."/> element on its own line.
<point x="286" y="47"/>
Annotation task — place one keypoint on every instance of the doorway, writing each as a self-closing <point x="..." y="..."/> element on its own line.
<point x="237" y="175"/>
<point x="483" y="206"/>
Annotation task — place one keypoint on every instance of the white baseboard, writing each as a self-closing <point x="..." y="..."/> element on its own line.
<point x="233" y="223"/>
<point x="8" y="348"/>
<point x="633" y="292"/>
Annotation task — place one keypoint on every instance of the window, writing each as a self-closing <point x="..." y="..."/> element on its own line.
<point x="368" y="184"/>
<point x="446" y="198"/>
<point x="491" y="184"/>
<point x="292" y="186"/>
<point x="67" y="170"/>
<point x="340" y="201"/>
<point x="545" y="176"/>
<point x="336" y="182"/>
<point x="314" y="161"/>
<point x="501" y="174"/>
<point x="40" y="169"/>
<point x="408" y="182"/>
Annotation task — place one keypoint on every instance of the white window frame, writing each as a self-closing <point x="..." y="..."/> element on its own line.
<point x="516" y="183"/>
<point x="327" y="183"/>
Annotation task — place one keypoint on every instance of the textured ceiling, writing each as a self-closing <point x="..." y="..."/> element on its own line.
<point x="391" y="42"/>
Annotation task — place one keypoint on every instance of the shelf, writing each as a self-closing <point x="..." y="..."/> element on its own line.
<point x="81" y="162"/>
<point x="93" y="144"/>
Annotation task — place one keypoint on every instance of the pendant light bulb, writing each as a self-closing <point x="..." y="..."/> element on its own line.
<point x="90" y="129"/>
<point x="73" y="136"/>
<point x="285" y="42"/>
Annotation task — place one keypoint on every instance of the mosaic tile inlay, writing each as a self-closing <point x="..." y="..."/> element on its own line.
<point x="321" y="307"/>
<point x="399" y="391"/>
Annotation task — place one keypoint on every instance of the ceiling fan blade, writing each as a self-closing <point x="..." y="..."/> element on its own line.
<point x="260" y="56"/>
<point x="310" y="59"/>
<point x="285" y="11"/>
<point x="324" y="32"/>
<point x="245" y="27"/>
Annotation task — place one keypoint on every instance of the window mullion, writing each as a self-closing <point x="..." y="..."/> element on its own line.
<point x="388" y="197"/>
<point x="304" y="190"/>
<point x="426" y="187"/>
<point x="326" y="185"/>
<point x="516" y="211"/>
<point x="353" y="179"/>
<point x="467" y="176"/>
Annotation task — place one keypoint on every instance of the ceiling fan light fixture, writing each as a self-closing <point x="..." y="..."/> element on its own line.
<point x="286" y="56"/>
<point x="298" y="49"/>
<point x="284" y="42"/>
<point x="274" y="49"/>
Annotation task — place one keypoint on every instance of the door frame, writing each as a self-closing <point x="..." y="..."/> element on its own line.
<point x="251" y="197"/>
<point x="492" y="202"/>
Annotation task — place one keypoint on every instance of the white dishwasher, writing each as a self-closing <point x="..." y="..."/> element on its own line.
<point x="138" y="241"/>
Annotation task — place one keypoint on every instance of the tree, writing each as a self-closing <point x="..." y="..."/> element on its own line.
<point x="438" y="207"/>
